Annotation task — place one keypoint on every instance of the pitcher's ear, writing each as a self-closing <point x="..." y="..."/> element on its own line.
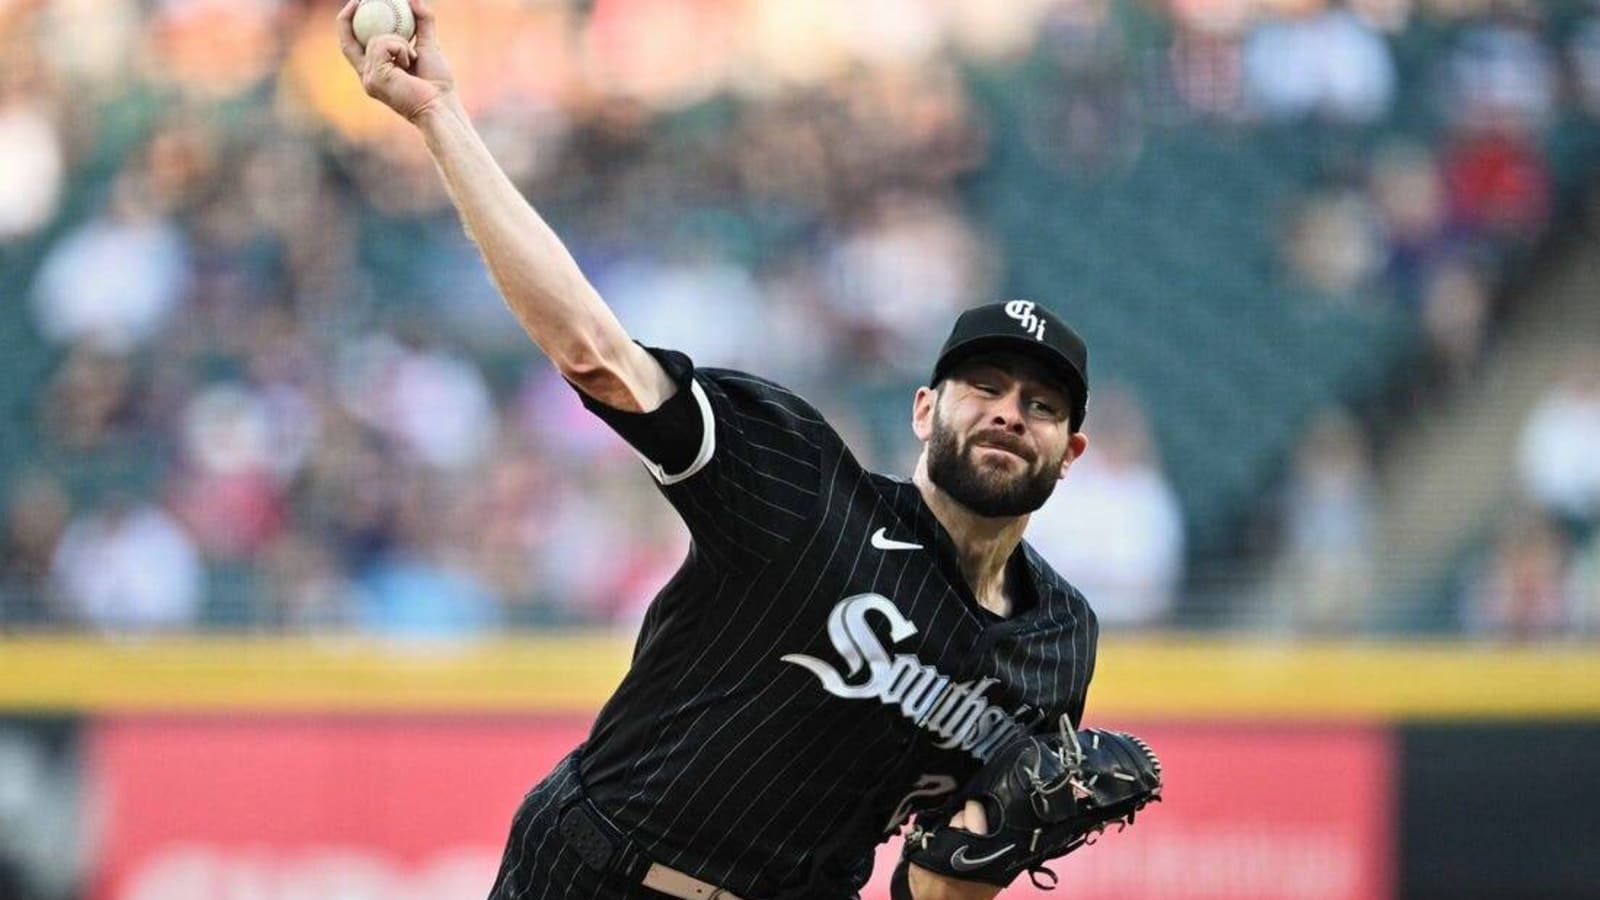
<point x="922" y="407"/>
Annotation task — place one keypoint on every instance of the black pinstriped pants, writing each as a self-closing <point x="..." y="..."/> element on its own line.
<point x="541" y="864"/>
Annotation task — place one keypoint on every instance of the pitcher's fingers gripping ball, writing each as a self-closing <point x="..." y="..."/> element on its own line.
<point x="1043" y="797"/>
<point x="375" y="17"/>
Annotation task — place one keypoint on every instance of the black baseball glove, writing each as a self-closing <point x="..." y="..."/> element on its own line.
<point x="1044" y="796"/>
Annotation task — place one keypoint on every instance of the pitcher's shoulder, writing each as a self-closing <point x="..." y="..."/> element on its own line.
<point x="1056" y="591"/>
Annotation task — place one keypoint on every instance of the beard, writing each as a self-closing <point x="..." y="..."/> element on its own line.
<point x="986" y="490"/>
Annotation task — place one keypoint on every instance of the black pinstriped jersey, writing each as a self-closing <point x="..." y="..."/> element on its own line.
<point x="818" y="668"/>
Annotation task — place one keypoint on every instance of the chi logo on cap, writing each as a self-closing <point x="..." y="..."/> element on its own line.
<point x="1022" y="311"/>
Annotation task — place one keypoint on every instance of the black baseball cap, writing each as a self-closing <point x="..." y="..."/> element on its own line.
<point x="1025" y="327"/>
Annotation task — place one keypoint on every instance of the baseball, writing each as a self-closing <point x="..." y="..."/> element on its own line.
<point x="375" y="17"/>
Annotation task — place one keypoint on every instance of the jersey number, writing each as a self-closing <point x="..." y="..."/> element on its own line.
<point x="927" y="786"/>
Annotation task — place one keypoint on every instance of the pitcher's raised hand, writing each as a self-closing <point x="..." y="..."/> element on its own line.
<point x="406" y="76"/>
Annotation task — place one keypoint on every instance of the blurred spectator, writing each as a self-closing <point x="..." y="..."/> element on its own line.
<point x="32" y="163"/>
<point x="434" y="404"/>
<point x="287" y="376"/>
<point x="117" y="279"/>
<point x="661" y="544"/>
<point x="1325" y="63"/>
<point x="1080" y="36"/>
<point x="212" y="47"/>
<point x="36" y="516"/>
<point x="1502" y="82"/>
<point x="1113" y="527"/>
<point x="1408" y="193"/>
<point x="513" y="521"/>
<point x="179" y="161"/>
<point x="350" y="493"/>
<point x="1558" y="464"/>
<point x="1502" y="76"/>
<point x="551" y="417"/>
<point x="608" y="538"/>
<point x="1499" y="186"/>
<point x="1521" y="590"/>
<point x="304" y="588"/>
<point x="667" y="303"/>
<point x="422" y="586"/>
<point x="1328" y="520"/>
<point x="1208" y="71"/>
<point x="90" y="45"/>
<point x="1090" y="120"/>
<point x="412" y="596"/>
<point x="228" y="495"/>
<point x="91" y="402"/>
<point x="128" y="566"/>
<point x="1455" y="319"/>
<point x="1334" y="246"/>
<point x="900" y="273"/>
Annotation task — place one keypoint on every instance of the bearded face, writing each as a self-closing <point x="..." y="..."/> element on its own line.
<point x="990" y="484"/>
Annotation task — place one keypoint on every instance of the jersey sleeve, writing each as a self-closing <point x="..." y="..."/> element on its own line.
<point x="738" y="457"/>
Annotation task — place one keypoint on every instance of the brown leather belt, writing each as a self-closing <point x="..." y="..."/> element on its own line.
<point x="670" y="881"/>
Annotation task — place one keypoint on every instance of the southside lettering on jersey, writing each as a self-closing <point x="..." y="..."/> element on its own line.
<point x="817" y="667"/>
<point x="955" y="711"/>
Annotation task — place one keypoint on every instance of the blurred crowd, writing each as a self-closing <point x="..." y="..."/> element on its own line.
<point x="1541" y="576"/>
<point x="1441" y="228"/>
<point x="278" y="391"/>
<point x="1431" y="225"/>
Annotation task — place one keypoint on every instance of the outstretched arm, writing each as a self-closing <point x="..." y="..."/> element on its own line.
<point x="541" y="283"/>
<point x="926" y="885"/>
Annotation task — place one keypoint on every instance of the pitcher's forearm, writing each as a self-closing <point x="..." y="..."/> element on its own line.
<point x="538" y="277"/>
<point x="926" y="885"/>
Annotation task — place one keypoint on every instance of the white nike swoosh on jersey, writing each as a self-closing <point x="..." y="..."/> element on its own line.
<point x="881" y="541"/>
<point x="958" y="859"/>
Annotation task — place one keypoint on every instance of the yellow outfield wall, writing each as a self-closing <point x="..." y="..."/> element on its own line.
<point x="1166" y="677"/>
